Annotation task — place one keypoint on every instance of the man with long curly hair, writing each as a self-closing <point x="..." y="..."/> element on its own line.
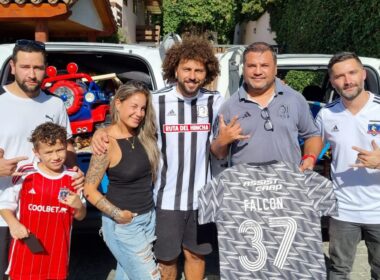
<point x="185" y="115"/>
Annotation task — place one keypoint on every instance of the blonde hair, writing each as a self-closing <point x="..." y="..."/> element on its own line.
<point x="147" y="130"/>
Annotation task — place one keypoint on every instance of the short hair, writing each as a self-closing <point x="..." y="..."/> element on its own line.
<point x="29" y="46"/>
<point x="260" y="47"/>
<point x="48" y="133"/>
<point x="342" y="56"/>
<point x="191" y="49"/>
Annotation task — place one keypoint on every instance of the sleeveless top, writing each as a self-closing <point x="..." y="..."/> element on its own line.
<point x="130" y="181"/>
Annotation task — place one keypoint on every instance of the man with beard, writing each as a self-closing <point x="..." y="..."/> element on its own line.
<point x="23" y="106"/>
<point x="185" y="113"/>
<point x="352" y="120"/>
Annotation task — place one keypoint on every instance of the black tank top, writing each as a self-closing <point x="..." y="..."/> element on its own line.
<point x="130" y="181"/>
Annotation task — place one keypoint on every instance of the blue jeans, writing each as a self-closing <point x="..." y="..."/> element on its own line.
<point x="131" y="245"/>
<point x="344" y="238"/>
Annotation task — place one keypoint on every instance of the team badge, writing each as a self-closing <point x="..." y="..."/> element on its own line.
<point x="283" y="112"/>
<point x="373" y="129"/>
<point x="202" y="111"/>
<point x="63" y="193"/>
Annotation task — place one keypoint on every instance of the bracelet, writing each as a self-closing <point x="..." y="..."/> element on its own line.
<point x="115" y="212"/>
<point x="310" y="156"/>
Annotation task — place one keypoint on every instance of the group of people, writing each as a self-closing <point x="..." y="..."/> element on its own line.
<point x="156" y="154"/>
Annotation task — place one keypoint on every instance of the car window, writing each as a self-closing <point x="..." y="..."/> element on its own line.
<point x="311" y="83"/>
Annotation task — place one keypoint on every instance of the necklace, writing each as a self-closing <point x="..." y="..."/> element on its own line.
<point x="132" y="143"/>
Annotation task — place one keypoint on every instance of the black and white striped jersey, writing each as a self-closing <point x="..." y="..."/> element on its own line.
<point x="184" y="135"/>
<point x="268" y="220"/>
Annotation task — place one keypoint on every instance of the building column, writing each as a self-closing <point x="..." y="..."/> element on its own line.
<point x="41" y="31"/>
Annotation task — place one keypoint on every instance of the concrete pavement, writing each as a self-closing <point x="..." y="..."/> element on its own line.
<point x="361" y="270"/>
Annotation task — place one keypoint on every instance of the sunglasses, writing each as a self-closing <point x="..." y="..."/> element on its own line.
<point x="37" y="44"/>
<point x="268" y="125"/>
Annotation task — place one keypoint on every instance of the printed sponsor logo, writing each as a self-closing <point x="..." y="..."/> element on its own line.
<point x="171" y="113"/>
<point x="49" y="117"/>
<point x="46" y="208"/>
<point x="168" y="128"/>
<point x="32" y="191"/>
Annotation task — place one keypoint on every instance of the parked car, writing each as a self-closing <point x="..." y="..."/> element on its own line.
<point x="297" y="70"/>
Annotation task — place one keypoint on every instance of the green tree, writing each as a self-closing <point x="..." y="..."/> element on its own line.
<point x="252" y="9"/>
<point x="204" y="16"/>
<point x="200" y="17"/>
<point x="319" y="26"/>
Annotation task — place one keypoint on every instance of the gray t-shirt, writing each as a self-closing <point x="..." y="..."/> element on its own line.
<point x="289" y="115"/>
<point x="268" y="220"/>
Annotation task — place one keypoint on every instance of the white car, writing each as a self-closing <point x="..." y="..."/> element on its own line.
<point x="311" y="68"/>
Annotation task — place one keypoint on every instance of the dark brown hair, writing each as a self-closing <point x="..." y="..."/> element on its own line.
<point x="260" y="47"/>
<point x="48" y="133"/>
<point x="191" y="49"/>
<point x="342" y="56"/>
<point x="29" y="46"/>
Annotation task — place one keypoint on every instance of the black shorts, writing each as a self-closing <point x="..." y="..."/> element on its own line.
<point x="5" y="239"/>
<point x="176" y="229"/>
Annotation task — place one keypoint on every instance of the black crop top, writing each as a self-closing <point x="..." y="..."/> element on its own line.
<point x="130" y="181"/>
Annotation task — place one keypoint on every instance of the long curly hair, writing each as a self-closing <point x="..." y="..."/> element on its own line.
<point x="147" y="130"/>
<point x="191" y="49"/>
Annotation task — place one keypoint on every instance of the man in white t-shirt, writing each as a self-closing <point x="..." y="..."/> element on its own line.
<point x="352" y="121"/>
<point x="23" y="106"/>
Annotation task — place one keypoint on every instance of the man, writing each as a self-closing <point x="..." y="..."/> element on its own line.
<point x="352" y="120"/>
<point x="185" y="114"/>
<point x="264" y="120"/>
<point x="23" y="106"/>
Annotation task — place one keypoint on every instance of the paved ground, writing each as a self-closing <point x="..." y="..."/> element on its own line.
<point x="90" y="259"/>
<point x="360" y="270"/>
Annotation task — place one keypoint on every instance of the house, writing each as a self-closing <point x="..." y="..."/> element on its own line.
<point x="135" y="20"/>
<point x="255" y="31"/>
<point x="74" y="20"/>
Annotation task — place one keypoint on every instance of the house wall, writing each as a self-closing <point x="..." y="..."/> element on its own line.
<point x="255" y="31"/>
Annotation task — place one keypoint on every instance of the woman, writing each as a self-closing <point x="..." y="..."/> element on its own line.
<point x="131" y="162"/>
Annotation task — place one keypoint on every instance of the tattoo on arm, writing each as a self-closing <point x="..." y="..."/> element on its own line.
<point x="97" y="168"/>
<point x="107" y="207"/>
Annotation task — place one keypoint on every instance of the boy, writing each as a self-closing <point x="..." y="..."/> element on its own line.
<point x="46" y="204"/>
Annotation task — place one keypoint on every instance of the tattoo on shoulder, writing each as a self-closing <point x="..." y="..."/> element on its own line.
<point x="98" y="166"/>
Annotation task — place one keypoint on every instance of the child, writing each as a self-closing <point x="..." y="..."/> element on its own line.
<point x="46" y="204"/>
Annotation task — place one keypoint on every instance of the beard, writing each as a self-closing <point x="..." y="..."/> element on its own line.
<point x="351" y="96"/>
<point x="187" y="92"/>
<point x="29" y="89"/>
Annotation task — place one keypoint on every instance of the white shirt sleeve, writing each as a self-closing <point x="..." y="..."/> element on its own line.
<point x="10" y="196"/>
